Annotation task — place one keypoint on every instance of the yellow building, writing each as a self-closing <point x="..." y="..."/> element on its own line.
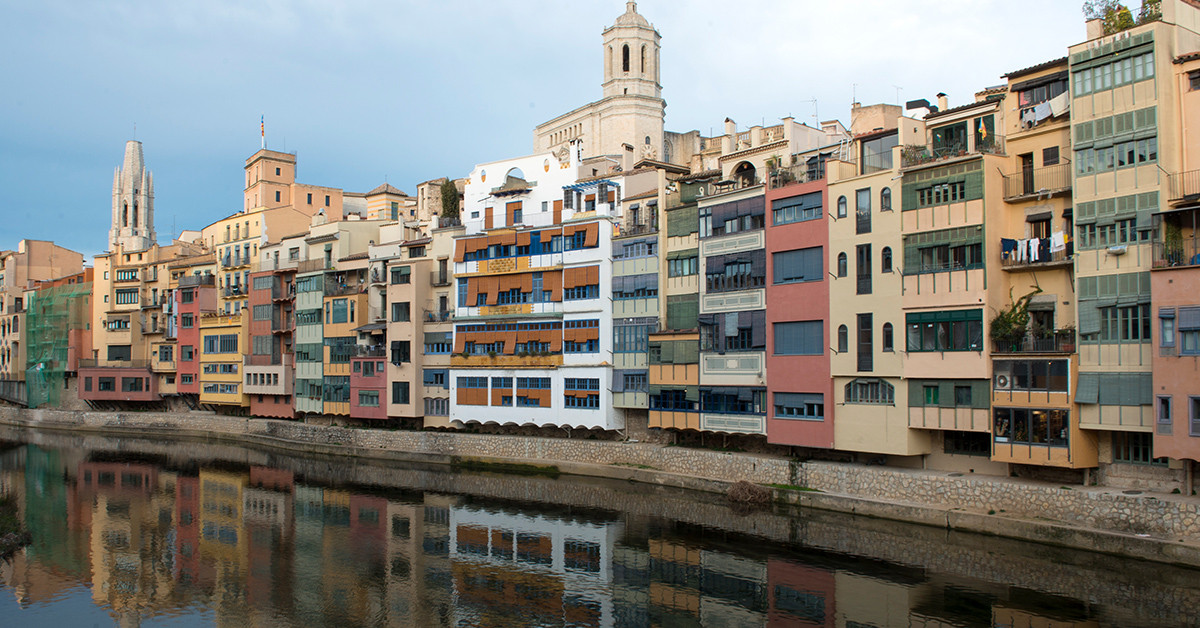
<point x="223" y="340"/>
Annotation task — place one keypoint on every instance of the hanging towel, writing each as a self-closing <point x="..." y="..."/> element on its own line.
<point x="1057" y="242"/>
<point x="1041" y="112"/>
<point x="1060" y="104"/>
<point x="1008" y="247"/>
<point x="1033" y="249"/>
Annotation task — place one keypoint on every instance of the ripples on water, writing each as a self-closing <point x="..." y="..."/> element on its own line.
<point x="190" y="534"/>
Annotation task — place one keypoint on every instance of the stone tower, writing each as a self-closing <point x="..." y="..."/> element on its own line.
<point x="133" y="203"/>
<point x="631" y="56"/>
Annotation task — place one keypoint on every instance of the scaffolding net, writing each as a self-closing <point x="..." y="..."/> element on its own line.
<point x="56" y="320"/>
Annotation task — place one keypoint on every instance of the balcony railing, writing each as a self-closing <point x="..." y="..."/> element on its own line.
<point x="1046" y="257"/>
<point x="1046" y="181"/>
<point x="800" y="173"/>
<point x="448" y="221"/>
<point x="1185" y="187"/>
<point x="281" y="323"/>
<point x="638" y="229"/>
<point x="116" y="364"/>
<point x="918" y="154"/>
<point x="313" y="265"/>
<point x="1176" y="254"/>
<point x="234" y="291"/>
<point x="732" y="283"/>
<point x="365" y="351"/>
<point x="281" y="292"/>
<point x="1058" y="341"/>
<point x="197" y="280"/>
<point x="438" y="278"/>
<point x="438" y="317"/>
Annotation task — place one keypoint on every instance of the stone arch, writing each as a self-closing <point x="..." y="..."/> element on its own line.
<point x="745" y="174"/>
<point x="625" y="57"/>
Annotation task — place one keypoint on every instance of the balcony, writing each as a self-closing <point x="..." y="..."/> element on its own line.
<point x="1037" y="183"/>
<point x="439" y="278"/>
<point x="1058" y="341"/>
<point x="444" y="222"/>
<point x="438" y="317"/>
<point x="197" y="280"/>
<point x="365" y="351"/>
<point x="732" y="283"/>
<point x="314" y="265"/>
<point x="1185" y="188"/>
<point x="1046" y="258"/>
<point x="113" y="364"/>
<point x="1177" y="254"/>
<point x="234" y="291"/>
<point x="917" y="154"/>
<point x="281" y="292"/>
<point x="282" y="322"/>
<point x="800" y="173"/>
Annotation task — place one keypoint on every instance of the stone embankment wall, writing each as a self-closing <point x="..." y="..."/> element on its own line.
<point x="938" y="498"/>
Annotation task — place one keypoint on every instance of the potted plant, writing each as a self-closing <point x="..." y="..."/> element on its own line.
<point x="1008" y="327"/>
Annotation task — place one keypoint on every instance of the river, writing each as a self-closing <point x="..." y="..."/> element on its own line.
<point x="186" y="533"/>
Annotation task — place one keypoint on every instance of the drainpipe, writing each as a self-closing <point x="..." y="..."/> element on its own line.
<point x="1189" y="478"/>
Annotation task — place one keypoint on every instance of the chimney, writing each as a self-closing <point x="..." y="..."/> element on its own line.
<point x="942" y="106"/>
<point x="1094" y="28"/>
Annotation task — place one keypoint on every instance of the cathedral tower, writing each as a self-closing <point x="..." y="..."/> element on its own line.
<point x="631" y="56"/>
<point x="133" y="203"/>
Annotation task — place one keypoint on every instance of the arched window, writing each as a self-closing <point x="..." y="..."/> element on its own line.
<point x="870" y="391"/>
<point x="625" y="58"/>
<point x="885" y="200"/>
<point x="841" y="265"/>
<point x="885" y="259"/>
<point x="643" y="70"/>
<point x="887" y="337"/>
<point x="125" y="215"/>
<point x="841" y="209"/>
<point x="135" y="208"/>
<point x="843" y="339"/>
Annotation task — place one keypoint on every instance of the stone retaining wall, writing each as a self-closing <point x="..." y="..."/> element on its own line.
<point x="1169" y="517"/>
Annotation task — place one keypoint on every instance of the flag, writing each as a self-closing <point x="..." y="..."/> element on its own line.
<point x="982" y="129"/>
<point x="262" y="125"/>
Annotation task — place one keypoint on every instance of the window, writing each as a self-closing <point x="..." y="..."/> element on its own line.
<point x="885" y="200"/>
<point x="960" y="330"/>
<point x="341" y="311"/>
<point x="436" y="378"/>
<point x="842" y="266"/>
<point x="327" y="200"/>
<point x="632" y="338"/>
<point x="370" y="398"/>
<point x="277" y="194"/>
<point x="733" y="400"/>
<point x="1031" y="426"/>
<point x="870" y="391"/>
<point x="186" y="321"/>
<point x="401" y="352"/>
<point x="1126" y="323"/>
<point x="866" y="342"/>
<point x="862" y="210"/>
<point x="1166" y="322"/>
<point x="888" y="338"/>
<point x="1164" y="414"/>
<point x="962" y="396"/>
<point x="106" y="384"/>
<point x="1107" y="76"/>
<point x="862" y="269"/>
<point x="843" y="339"/>
<point x="1194" y="81"/>
<point x="579" y="293"/>
<point x="1050" y="156"/>
<point x="262" y="312"/>
<point x="800" y="338"/>
<point x="1193" y="416"/>
<point x="400" y="392"/>
<point x="1135" y="448"/>
<point x="841" y="207"/>
<point x="635" y="382"/>
<point x="578" y="393"/>
<point x="403" y="275"/>
<point x="967" y="443"/>
<point x="877" y="152"/>
<point x="635" y="287"/>
<point x="931" y="395"/>
<point x="127" y="296"/>
<point x="683" y="266"/>
<point x="797" y="209"/>
<point x="637" y="248"/>
<point x="416" y="251"/>
<point x="799" y="265"/>
<point x="400" y="312"/>
<point x="801" y="406"/>
<point x="885" y="260"/>
<point x="187" y="353"/>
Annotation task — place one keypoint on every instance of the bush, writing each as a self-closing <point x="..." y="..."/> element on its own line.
<point x="743" y="492"/>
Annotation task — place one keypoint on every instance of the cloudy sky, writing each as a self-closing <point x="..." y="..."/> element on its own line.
<point x="405" y="90"/>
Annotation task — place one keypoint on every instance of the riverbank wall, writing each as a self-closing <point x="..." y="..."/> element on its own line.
<point x="1157" y="527"/>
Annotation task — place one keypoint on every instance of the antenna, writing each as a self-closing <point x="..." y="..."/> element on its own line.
<point x="898" y="90"/>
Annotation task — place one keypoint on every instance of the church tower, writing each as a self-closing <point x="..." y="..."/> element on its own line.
<point x="631" y="56"/>
<point x="133" y="203"/>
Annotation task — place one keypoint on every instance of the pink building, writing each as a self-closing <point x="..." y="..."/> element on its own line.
<point x="196" y="295"/>
<point x="368" y="384"/>
<point x="800" y="390"/>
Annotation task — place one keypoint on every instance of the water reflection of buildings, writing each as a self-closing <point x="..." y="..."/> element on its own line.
<point x="545" y="569"/>
<point x="255" y="546"/>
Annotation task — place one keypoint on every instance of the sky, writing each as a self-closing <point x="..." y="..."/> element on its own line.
<point x="405" y="91"/>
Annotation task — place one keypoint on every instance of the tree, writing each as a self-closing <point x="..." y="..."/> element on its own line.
<point x="449" y="199"/>
<point x="1151" y="11"/>
<point x="1116" y="17"/>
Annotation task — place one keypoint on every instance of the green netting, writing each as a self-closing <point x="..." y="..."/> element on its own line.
<point x="52" y="314"/>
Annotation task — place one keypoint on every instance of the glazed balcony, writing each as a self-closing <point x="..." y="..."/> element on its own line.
<point x="197" y="280"/>
<point x="1038" y="183"/>
<point x="1176" y="254"/>
<point x="791" y="175"/>
<point x="1058" y="341"/>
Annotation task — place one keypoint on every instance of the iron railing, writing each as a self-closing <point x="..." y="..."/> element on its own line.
<point x="918" y="154"/>
<point x="1048" y="181"/>
<point x="800" y="173"/>
<point x="1177" y="253"/>
<point x="1058" y="341"/>
<point x="1185" y="186"/>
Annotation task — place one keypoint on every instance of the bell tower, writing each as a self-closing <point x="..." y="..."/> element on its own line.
<point x="631" y="56"/>
<point x="133" y="203"/>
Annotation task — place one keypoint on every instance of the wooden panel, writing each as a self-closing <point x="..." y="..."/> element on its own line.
<point x="460" y="250"/>
<point x="523" y="238"/>
<point x="593" y="234"/>
<point x="510" y="212"/>
<point x="487" y="218"/>
<point x="557" y="218"/>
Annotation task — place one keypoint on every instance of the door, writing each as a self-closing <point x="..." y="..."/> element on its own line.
<point x="1027" y="173"/>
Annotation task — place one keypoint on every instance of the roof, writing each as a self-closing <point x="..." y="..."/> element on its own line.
<point x="1035" y="68"/>
<point x="416" y="242"/>
<point x="876" y="133"/>
<point x="638" y="197"/>
<point x="354" y="257"/>
<point x="979" y="103"/>
<point x="1188" y="56"/>
<point x="371" y="327"/>
<point x="651" y="163"/>
<point x="703" y="174"/>
<point x="513" y="185"/>
<point x="631" y="17"/>
<point x="386" y="188"/>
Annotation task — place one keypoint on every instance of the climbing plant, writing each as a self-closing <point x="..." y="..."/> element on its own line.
<point x="1011" y="323"/>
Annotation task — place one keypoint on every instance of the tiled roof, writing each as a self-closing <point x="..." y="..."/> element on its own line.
<point x="1034" y="68"/>
<point x="386" y="188"/>
<point x="1184" y="58"/>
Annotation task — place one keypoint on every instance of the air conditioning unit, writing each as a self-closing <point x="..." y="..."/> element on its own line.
<point x="1004" y="381"/>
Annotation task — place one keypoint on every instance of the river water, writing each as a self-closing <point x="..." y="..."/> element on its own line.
<point x="186" y="533"/>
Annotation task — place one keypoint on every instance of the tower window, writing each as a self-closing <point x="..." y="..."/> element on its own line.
<point x="643" y="59"/>
<point x="625" y="58"/>
<point x="277" y="172"/>
<point x="276" y="196"/>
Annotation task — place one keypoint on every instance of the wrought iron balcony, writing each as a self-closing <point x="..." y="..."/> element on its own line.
<point x="1185" y="187"/>
<point x="1058" y="341"/>
<point x="1033" y="183"/>
<point x="919" y="154"/>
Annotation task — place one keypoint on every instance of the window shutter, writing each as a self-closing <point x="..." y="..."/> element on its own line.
<point x="1089" y="388"/>
<point x="1089" y="319"/>
<point x="1189" y="318"/>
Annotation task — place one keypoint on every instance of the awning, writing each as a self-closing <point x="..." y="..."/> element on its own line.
<point x="372" y="327"/>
